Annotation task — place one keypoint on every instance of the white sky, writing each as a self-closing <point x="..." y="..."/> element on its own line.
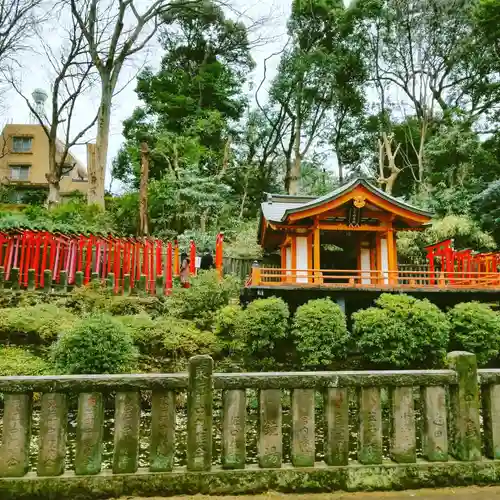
<point x="35" y="74"/>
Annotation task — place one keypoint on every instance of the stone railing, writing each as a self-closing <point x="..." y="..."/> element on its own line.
<point x="452" y="434"/>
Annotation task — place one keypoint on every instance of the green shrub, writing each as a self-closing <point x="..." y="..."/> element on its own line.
<point x="262" y="329"/>
<point x="39" y="324"/>
<point x="18" y="361"/>
<point x="475" y="328"/>
<point x="166" y="343"/>
<point x="227" y="321"/>
<point x="320" y="333"/>
<point x="207" y="294"/>
<point x="402" y="332"/>
<point x="96" y="298"/>
<point x="98" y="344"/>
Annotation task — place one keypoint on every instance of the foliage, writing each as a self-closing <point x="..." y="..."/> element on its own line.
<point x="486" y="207"/>
<point x="244" y="244"/>
<point x="226" y="324"/>
<point x="475" y="328"/>
<point x="262" y="330"/>
<point x="207" y="294"/>
<point x="71" y="217"/>
<point x="402" y="332"/>
<point x="320" y="333"/>
<point x="166" y="343"/>
<point x="97" y="298"/>
<point x="465" y="232"/>
<point x="16" y="361"/>
<point x="39" y="324"/>
<point x="97" y="344"/>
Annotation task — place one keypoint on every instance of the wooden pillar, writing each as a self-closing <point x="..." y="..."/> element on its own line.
<point x="294" y="258"/>
<point x="391" y="252"/>
<point x="378" y="257"/>
<point x="283" y="262"/>
<point x="310" y="257"/>
<point x="317" y="249"/>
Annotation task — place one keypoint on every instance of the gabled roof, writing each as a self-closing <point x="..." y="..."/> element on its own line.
<point x="277" y="208"/>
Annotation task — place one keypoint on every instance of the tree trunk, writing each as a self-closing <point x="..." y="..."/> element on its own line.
<point x="293" y="187"/>
<point x="295" y="174"/>
<point x="54" y="196"/>
<point x="96" y="178"/>
<point x="385" y="146"/>
<point x="295" y="169"/>
<point x="143" y="193"/>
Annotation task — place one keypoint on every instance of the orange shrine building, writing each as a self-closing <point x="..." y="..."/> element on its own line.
<point x="345" y="241"/>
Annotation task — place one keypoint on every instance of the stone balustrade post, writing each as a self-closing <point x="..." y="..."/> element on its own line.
<point x="200" y="418"/>
<point x="464" y="410"/>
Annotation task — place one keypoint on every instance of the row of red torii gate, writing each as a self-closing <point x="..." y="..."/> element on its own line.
<point x="96" y="257"/>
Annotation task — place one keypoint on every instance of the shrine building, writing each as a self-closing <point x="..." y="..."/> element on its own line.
<point x="345" y="242"/>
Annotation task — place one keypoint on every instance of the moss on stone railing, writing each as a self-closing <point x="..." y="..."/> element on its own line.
<point x="452" y="438"/>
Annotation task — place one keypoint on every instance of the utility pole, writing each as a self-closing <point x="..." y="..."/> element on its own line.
<point x="143" y="192"/>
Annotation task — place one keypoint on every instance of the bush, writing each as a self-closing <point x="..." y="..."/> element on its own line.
<point x="39" y="324"/>
<point x="96" y="298"/>
<point x="166" y="343"/>
<point x="402" y="332"/>
<point x="207" y="294"/>
<point x="98" y="344"/>
<point x="320" y="332"/>
<point x="262" y="330"/>
<point x="15" y="361"/>
<point x="227" y="321"/>
<point x="475" y="328"/>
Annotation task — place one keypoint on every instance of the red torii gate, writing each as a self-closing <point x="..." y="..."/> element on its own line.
<point x="461" y="264"/>
<point x="96" y="256"/>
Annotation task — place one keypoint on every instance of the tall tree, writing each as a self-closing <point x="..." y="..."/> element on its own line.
<point x="321" y="72"/>
<point x="72" y="76"/>
<point x="426" y="63"/>
<point x="192" y="103"/>
<point x="18" y="22"/>
<point x="114" y="31"/>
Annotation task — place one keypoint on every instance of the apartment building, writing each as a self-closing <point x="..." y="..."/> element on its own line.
<point x="24" y="161"/>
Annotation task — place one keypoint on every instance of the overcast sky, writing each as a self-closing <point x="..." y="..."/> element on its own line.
<point x="35" y="74"/>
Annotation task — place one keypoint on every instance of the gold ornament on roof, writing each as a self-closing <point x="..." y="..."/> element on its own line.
<point x="359" y="201"/>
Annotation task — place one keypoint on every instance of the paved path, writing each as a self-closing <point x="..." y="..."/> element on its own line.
<point x="491" y="493"/>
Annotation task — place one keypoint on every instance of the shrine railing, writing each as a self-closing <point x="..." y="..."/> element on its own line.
<point x="375" y="430"/>
<point x="401" y="278"/>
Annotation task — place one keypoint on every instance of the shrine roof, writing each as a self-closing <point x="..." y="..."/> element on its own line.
<point x="278" y="207"/>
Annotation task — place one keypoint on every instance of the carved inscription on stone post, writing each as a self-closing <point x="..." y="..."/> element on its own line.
<point x="435" y="431"/>
<point x="162" y="431"/>
<point x="127" y="424"/>
<point x="53" y="424"/>
<point x="89" y="429"/>
<point x="464" y="399"/>
<point x="270" y="436"/>
<point x="303" y="432"/>
<point x="233" y="429"/>
<point x="16" y="435"/>
<point x="199" y="405"/>
<point x="403" y="436"/>
<point x="336" y="426"/>
<point x="370" y="426"/>
<point x="491" y="416"/>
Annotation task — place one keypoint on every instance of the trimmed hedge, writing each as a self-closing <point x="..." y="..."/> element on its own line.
<point x="402" y="332"/>
<point x="475" y="327"/>
<point x="320" y="334"/>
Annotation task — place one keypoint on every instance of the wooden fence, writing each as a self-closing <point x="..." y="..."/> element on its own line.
<point x="449" y="447"/>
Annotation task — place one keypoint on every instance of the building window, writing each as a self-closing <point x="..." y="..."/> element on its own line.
<point x="22" y="144"/>
<point x="19" y="172"/>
